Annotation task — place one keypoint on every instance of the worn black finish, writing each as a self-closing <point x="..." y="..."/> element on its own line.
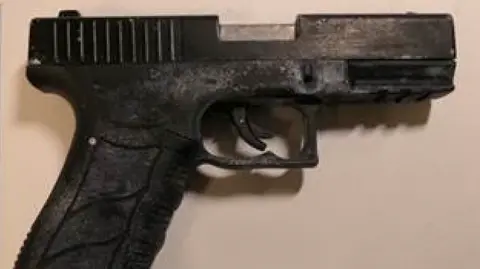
<point x="116" y="40"/>
<point x="140" y="86"/>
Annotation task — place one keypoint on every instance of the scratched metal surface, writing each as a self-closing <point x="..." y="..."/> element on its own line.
<point x="143" y="99"/>
<point x="395" y="187"/>
<point x="198" y="38"/>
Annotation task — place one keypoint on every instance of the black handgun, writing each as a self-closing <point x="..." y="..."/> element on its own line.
<point x="140" y="87"/>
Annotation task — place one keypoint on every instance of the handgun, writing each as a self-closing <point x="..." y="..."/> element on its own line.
<point x="140" y="86"/>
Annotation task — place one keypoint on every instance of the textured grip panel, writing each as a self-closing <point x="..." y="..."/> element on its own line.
<point x="111" y="207"/>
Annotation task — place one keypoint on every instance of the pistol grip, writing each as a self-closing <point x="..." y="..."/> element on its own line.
<point x="111" y="205"/>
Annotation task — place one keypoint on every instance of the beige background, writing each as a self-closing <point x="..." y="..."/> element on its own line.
<point x="403" y="196"/>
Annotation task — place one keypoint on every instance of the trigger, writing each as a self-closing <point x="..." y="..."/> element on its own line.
<point x="260" y="132"/>
<point x="244" y="128"/>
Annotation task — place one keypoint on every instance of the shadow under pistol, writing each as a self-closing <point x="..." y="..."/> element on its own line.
<point x="141" y="85"/>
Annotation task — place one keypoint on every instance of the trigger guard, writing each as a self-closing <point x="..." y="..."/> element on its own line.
<point x="306" y="158"/>
<point x="265" y="160"/>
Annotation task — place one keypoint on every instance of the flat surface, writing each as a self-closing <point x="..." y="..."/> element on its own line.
<point x="401" y="190"/>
